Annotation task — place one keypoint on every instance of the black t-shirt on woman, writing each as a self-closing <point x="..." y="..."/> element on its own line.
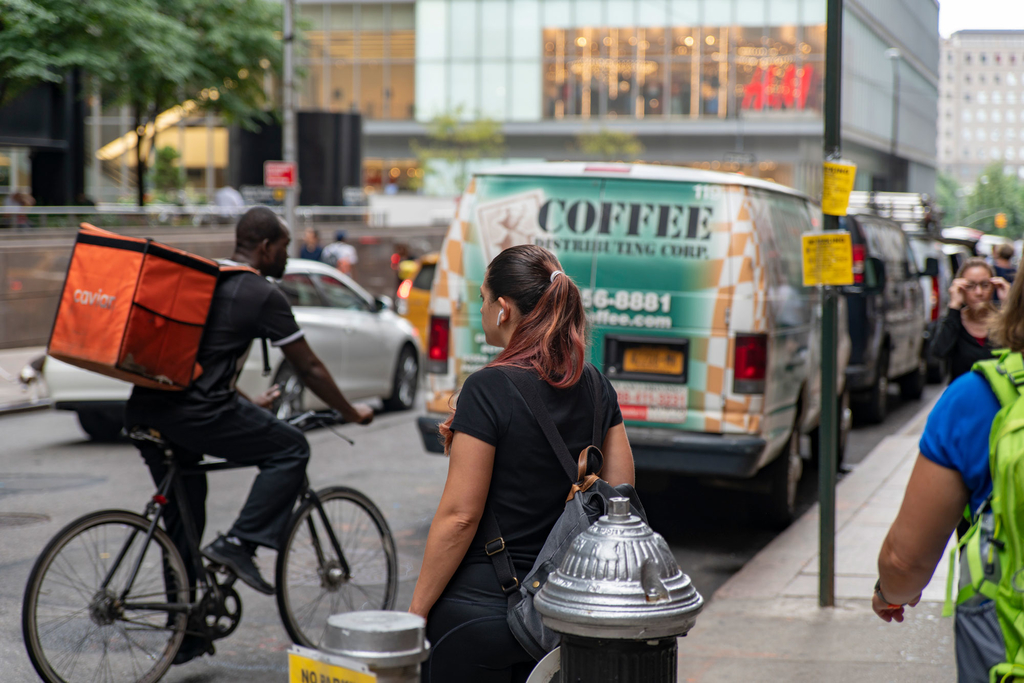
<point x="528" y="485"/>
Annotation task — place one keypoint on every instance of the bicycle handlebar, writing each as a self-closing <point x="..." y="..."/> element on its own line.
<point x="319" y="418"/>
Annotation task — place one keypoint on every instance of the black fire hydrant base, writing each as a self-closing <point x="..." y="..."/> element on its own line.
<point x="591" y="660"/>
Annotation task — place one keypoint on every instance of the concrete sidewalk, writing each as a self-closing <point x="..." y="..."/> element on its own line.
<point x="14" y="396"/>
<point x="764" y="624"/>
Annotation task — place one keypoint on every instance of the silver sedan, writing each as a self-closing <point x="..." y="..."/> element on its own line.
<point x="371" y="352"/>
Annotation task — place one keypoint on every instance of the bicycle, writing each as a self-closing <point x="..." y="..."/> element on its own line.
<point x="102" y="605"/>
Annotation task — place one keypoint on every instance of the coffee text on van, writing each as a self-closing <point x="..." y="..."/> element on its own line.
<point x="620" y="219"/>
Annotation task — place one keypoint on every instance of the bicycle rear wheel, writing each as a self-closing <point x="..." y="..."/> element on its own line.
<point x="311" y="584"/>
<point x="74" y="630"/>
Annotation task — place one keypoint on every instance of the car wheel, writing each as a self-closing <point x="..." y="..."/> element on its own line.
<point x="875" y="403"/>
<point x="100" y="424"/>
<point x="843" y="408"/>
<point x="912" y="384"/>
<point x="291" y="402"/>
<point x="403" y="386"/>
<point x="783" y="476"/>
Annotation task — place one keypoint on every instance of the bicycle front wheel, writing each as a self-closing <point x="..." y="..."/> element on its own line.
<point x="75" y="629"/>
<point x="312" y="583"/>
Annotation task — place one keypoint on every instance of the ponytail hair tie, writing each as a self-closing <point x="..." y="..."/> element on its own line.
<point x="555" y="274"/>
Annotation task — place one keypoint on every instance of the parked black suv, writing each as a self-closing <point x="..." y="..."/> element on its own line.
<point x="886" y="315"/>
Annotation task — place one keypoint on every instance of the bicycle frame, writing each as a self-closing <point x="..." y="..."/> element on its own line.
<point x="172" y="483"/>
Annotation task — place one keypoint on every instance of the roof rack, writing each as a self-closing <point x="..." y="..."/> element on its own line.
<point x="902" y="207"/>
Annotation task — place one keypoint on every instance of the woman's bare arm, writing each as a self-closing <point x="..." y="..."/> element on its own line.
<point x="618" y="457"/>
<point x="932" y="507"/>
<point x="456" y="520"/>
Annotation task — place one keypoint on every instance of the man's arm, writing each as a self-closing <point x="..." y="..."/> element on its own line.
<point x="314" y="375"/>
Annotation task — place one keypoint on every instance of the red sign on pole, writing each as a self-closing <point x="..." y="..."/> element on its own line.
<point x="279" y="173"/>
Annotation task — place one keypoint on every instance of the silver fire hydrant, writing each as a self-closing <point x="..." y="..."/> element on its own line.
<point x="619" y="600"/>
<point x="392" y="644"/>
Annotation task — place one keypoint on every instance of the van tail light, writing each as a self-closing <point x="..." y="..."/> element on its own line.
<point x="751" y="360"/>
<point x="438" y="340"/>
<point x="404" y="289"/>
<point x="935" y="298"/>
<point x="858" y="264"/>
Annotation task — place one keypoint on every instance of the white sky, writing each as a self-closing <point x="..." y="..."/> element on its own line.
<point x="958" y="15"/>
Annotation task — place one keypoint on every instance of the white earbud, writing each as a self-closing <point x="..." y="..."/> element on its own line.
<point x="501" y="314"/>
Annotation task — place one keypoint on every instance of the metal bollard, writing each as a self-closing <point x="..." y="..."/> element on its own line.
<point x="619" y="600"/>
<point x="392" y="644"/>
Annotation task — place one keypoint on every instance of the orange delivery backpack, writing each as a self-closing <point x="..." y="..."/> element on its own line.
<point x="134" y="309"/>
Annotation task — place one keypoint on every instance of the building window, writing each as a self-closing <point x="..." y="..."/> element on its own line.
<point x="1010" y="134"/>
<point x="966" y="134"/>
<point x="994" y="153"/>
<point x="965" y="116"/>
<point x="1010" y="153"/>
<point x="981" y="79"/>
<point x="997" y="98"/>
<point x="1011" y="98"/>
<point x="1011" y="117"/>
<point x="982" y="97"/>
<point x="982" y="116"/>
<point x="360" y="57"/>
<point x="997" y="117"/>
<point x="994" y="135"/>
<point x="967" y="58"/>
<point x="1011" y="79"/>
<point x="995" y="78"/>
<point x="967" y="97"/>
<point x="711" y="71"/>
<point x="982" y="58"/>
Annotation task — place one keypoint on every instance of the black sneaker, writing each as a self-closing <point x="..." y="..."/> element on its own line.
<point x="191" y="648"/>
<point x="238" y="559"/>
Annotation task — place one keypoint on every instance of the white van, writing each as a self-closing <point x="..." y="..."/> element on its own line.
<point x="692" y="281"/>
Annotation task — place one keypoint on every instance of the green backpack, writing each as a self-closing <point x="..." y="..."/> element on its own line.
<point x="992" y="557"/>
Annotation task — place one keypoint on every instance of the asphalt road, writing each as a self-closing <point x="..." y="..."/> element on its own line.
<point x="50" y="474"/>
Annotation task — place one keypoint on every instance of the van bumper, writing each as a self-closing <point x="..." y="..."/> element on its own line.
<point x="694" y="453"/>
<point x="663" y="450"/>
<point x="429" y="433"/>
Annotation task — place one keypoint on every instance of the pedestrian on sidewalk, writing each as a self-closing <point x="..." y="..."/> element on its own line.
<point x="963" y="337"/>
<point x="499" y="458"/>
<point x="951" y="473"/>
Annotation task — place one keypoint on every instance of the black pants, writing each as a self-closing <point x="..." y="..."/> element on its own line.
<point x="470" y="640"/>
<point x="242" y="434"/>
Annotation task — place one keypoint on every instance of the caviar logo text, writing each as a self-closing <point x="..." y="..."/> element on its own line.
<point x="97" y="298"/>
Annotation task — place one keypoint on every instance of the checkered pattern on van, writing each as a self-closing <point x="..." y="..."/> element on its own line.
<point x="740" y="306"/>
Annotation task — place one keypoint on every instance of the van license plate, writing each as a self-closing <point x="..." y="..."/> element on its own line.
<point x="658" y="360"/>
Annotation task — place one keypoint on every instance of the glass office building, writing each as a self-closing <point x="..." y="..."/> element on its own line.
<point x="720" y="84"/>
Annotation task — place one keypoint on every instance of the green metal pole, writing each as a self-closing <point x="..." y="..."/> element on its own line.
<point x="829" y="432"/>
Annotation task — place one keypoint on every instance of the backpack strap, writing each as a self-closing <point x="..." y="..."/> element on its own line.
<point x="495" y="548"/>
<point x="1004" y="374"/>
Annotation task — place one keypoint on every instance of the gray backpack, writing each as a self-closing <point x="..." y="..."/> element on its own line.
<point x="588" y="500"/>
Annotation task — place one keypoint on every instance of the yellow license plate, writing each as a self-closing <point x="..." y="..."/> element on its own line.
<point x="658" y="360"/>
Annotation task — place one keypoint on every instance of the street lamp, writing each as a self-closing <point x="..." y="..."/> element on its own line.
<point x="894" y="56"/>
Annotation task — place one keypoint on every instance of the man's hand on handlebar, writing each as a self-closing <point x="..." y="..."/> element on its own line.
<point x="362" y="414"/>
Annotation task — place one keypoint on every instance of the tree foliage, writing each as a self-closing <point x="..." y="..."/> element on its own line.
<point x="947" y="191"/>
<point x="456" y="141"/>
<point x="993" y="192"/>
<point x="168" y="176"/>
<point x="609" y="145"/>
<point x="148" y="54"/>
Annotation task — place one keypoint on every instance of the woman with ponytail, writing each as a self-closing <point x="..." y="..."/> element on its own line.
<point x="499" y="457"/>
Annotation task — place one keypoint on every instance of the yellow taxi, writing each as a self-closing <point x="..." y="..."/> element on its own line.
<point x="414" y="292"/>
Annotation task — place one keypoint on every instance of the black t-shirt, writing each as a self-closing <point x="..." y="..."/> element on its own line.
<point x="245" y="306"/>
<point x="528" y="485"/>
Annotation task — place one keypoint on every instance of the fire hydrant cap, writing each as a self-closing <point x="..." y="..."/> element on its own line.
<point x="377" y="637"/>
<point x="619" y="580"/>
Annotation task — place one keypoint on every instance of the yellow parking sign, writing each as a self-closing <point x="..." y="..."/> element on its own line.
<point x="311" y="666"/>
<point x="828" y="259"/>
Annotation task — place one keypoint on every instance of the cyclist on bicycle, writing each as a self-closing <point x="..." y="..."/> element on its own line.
<point x="212" y="417"/>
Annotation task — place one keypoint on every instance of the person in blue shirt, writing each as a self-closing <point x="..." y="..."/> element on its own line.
<point x="951" y="473"/>
<point x="311" y="248"/>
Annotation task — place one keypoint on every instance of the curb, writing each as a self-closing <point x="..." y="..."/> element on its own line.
<point x="25" y="406"/>
<point x="767" y="574"/>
